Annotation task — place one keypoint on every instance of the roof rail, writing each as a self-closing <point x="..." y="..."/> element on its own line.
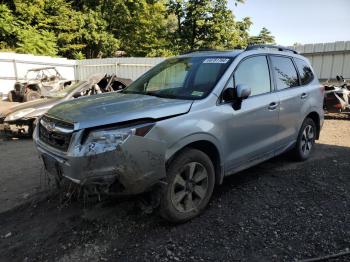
<point x="278" y="47"/>
<point x="200" y="50"/>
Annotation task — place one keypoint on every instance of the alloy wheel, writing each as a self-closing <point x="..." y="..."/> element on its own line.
<point x="189" y="187"/>
<point x="307" y="139"/>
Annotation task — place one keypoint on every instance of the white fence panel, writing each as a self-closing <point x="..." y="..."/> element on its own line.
<point x="328" y="59"/>
<point x="14" y="67"/>
<point x="125" y="67"/>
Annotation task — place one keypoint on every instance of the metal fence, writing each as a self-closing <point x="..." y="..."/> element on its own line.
<point x="125" y="67"/>
<point x="328" y="59"/>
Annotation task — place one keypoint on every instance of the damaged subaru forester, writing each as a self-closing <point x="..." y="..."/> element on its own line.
<point x="184" y="125"/>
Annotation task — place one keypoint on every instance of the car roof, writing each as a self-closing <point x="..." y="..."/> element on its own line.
<point x="252" y="49"/>
<point x="226" y="53"/>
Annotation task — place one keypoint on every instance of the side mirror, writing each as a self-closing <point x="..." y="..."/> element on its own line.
<point x="77" y="94"/>
<point x="229" y="94"/>
<point x="243" y="91"/>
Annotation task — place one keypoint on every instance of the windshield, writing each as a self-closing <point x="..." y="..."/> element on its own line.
<point x="40" y="74"/>
<point x="31" y="75"/>
<point x="66" y="91"/>
<point x="181" y="78"/>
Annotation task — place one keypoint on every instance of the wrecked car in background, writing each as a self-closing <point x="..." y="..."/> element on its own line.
<point x="184" y="125"/>
<point x="337" y="97"/>
<point x="38" y="82"/>
<point x="19" y="119"/>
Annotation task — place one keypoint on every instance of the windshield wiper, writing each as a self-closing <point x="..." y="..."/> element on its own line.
<point x="151" y="94"/>
<point x="161" y="95"/>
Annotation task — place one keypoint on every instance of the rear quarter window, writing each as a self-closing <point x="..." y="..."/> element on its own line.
<point x="284" y="71"/>
<point x="305" y="71"/>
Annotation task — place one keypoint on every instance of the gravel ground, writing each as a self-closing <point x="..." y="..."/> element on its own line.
<point x="20" y="172"/>
<point x="277" y="211"/>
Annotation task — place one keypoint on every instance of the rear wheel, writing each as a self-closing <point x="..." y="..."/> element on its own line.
<point x="190" y="183"/>
<point x="306" y="140"/>
<point x="31" y="95"/>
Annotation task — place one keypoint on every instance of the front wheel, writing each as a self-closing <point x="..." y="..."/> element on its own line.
<point x="306" y="140"/>
<point x="189" y="186"/>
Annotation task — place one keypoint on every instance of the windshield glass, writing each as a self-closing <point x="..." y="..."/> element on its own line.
<point x="66" y="91"/>
<point x="181" y="78"/>
<point x="31" y="75"/>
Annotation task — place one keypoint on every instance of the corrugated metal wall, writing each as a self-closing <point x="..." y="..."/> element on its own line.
<point x="125" y="67"/>
<point x="328" y="59"/>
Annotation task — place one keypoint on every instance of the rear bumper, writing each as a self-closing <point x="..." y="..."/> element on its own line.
<point x="132" y="168"/>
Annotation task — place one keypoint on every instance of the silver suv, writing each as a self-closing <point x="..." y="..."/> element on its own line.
<point x="183" y="126"/>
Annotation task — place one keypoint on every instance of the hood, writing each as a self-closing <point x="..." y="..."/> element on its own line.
<point x="113" y="108"/>
<point x="38" y="104"/>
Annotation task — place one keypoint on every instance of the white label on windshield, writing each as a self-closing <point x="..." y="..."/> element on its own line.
<point x="216" y="61"/>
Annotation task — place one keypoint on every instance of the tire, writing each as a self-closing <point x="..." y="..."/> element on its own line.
<point x="31" y="95"/>
<point x="12" y="97"/>
<point x="189" y="186"/>
<point x="306" y="140"/>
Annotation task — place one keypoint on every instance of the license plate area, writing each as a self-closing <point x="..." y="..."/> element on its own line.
<point x="51" y="165"/>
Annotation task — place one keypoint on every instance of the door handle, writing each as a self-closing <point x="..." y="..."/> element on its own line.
<point x="304" y="95"/>
<point x="273" y="106"/>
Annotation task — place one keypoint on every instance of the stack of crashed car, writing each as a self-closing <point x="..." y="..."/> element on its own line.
<point x="337" y="97"/>
<point x="19" y="120"/>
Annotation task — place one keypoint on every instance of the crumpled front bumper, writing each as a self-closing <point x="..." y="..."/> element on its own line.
<point x="17" y="127"/>
<point x="131" y="168"/>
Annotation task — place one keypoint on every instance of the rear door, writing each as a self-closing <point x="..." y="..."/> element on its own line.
<point x="290" y="95"/>
<point x="249" y="133"/>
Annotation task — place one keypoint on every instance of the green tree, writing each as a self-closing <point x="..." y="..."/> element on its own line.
<point x="264" y="37"/>
<point x="141" y="26"/>
<point x="207" y="24"/>
<point x="8" y="28"/>
<point x="37" y="42"/>
<point x="99" y="28"/>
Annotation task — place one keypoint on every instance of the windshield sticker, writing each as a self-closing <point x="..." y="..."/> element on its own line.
<point x="197" y="93"/>
<point x="216" y="61"/>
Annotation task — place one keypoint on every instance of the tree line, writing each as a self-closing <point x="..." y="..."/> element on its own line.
<point x="105" y="28"/>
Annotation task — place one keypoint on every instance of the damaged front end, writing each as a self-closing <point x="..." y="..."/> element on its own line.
<point x="21" y="127"/>
<point x="113" y="160"/>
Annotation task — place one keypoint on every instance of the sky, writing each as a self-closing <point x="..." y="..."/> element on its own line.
<point x="298" y="21"/>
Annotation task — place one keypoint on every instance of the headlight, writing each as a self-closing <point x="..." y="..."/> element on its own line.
<point x="19" y="114"/>
<point x="100" y="141"/>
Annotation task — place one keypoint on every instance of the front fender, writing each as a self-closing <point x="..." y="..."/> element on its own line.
<point x="185" y="141"/>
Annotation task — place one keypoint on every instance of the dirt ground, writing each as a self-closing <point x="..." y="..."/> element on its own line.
<point x="277" y="211"/>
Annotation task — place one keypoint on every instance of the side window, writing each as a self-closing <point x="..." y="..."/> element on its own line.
<point x="285" y="74"/>
<point x="305" y="72"/>
<point x="254" y="72"/>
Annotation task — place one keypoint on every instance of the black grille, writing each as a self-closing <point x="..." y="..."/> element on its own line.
<point x="55" y="139"/>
